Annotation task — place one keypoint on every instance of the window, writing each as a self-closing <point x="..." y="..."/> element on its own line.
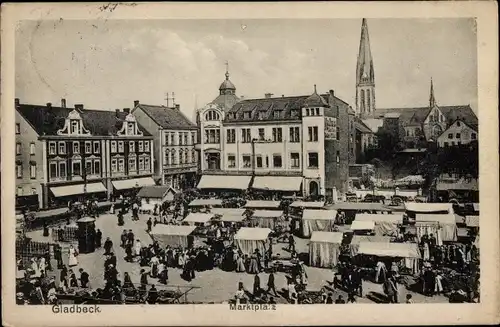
<point x="267" y="161"/>
<point x="97" y="167"/>
<point x="295" y="159"/>
<point x="181" y="139"/>
<point x="211" y="115"/>
<point x="247" y="162"/>
<point x="194" y="156"/>
<point x="246" y="136"/>
<point x="307" y="112"/>
<point x="18" y="148"/>
<point x="186" y="138"/>
<point x="166" y="159"/>
<point x="62" y="147"/>
<point x="193" y="138"/>
<point x="174" y="159"/>
<point x="19" y="170"/>
<point x="212" y="136"/>
<point x="62" y="169"/>
<point x="132" y="164"/>
<point x="76" y="148"/>
<point x="53" y="170"/>
<point x="458" y="135"/>
<point x="247" y="115"/>
<point x="277" y="114"/>
<point x="231" y="135"/>
<point x="473" y="136"/>
<point x="141" y="163"/>
<point x="33" y="170"/>
<point x="32" y="148"/>
<point x="113" y="146"/>
<point x="458" y="123"/>
<point x="146" y="163"/>
<point x="294" y="134"/>
<point x="277" y="135"/>
<point x="450" y="135"/>
<point x="88" y="167"/>
<point x="181" y="156"/>
<point x="131" y="146"/>
<point x="113" y="165"/>
<point x="77" y="168"/>
<point x="294" y="113"/>
<point x="74" y="127"/>
<point x="313" y="133"/>
<point x="172" y="139"/>
<point x="259" y="161"/>
<point x="19" y="191"/>
<point x="130" y="129"/>
<point x="262" y="134"/>
<point x="18" y="129"/>
<point x="97" y="147"/>
<point x="141" y="146"/>
<point x="317" y="111"/>
<point x="337" y="133"/>
<point x="338" y="157"/>
<point x="231" y="161"/>
<point x="121" y="165"/>
<point x="52" y="147"/>
<point x="146" y="146"/>
<point x="88" y="147"/>
<point x="446" y="144"/>
<point x="120" y="146"/>
<point x="313" y="160"/>
<point x="277" y="163"/>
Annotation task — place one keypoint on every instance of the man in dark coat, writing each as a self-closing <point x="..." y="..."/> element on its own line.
<point x="152" y="295"/>
<point x="256" y="285"/>
<point x="291" y="243"/>
<point x="112" y="259"/>
<point x="149" y="223"/>
<point x="131" y="237"/>
<point x="128" y="251"/>
<point x="124" y="238"/>
<point x="270" y="284"/>
<point x="84" y="278"/>
<point x="58" y="256"/>
<point x="108" y="245"/>
<point x="357" y="281"/>
<point x="98" y="238"/>
<point x="144" y="279"/>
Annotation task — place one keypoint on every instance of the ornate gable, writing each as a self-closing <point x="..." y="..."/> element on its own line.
<point x="130" y="127"/>
<point x="73" y="125"/>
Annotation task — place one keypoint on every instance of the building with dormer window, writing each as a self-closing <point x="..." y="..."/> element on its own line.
<point x="80" y="153"/>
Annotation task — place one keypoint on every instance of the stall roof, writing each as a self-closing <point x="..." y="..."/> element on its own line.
<point x="459" y="219"/>
<point x="205" y="202"/>
<point x="154" y="191"/>
<point x="462" y="232"/>
<point x="362" y="225"/>
<point x="472" y="221"/>
<point x="252" y="233"/>
<point x="307" y="204"/>
<point x="224" y="182"/>
<point x="232" y="218"/>
<point x="196" y="217"/>
<point x="384" y="249"/>
<point x="442" y="219"/>
<point x="267" y="213"/>
<point x="319" y="214"/>
<point x="327" y="237"/>
<point x="278" y="183"/>
<point x="357" y="239"/>
<point x="262" y="204"/>
<point x="162" y="229"/>
<point x="428" y="207"/>
<point x="360" y="206"/>
<point x="228" y="211"/>
<point x="396" y="218"/>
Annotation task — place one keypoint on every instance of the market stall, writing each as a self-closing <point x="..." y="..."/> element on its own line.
<point x="472" y="221"/>
<point x="198" y="219"/>
<point x="444" y="227"/>
<point x="385" y="224"/>
<point x="229" y="215"/>
<point x="266" y="218"/>
<point x="350" y="209"/>
<point x="262" y="204"/>
<point x="362" y="227"/>
<point x="414" y="208"/>
<point x="358" y="239"/>
<point x="308" y="204"/>
<point x="200" y="203"/>
<point x="317" y="221"/>
<point x="324" y="249"/>
<point x="154" y="195"/>
<point x="407" y="253"/>
<point x="173" y="235"/>
<point x="248" y="239"/>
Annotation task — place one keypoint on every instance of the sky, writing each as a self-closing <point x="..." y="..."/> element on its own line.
<point x="107" y="64"/>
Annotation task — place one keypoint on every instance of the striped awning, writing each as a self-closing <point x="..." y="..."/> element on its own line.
<point x="59" y="191"/>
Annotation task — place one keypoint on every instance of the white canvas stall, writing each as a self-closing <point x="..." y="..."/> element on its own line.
<point x="472" y="221"/>
<point x="443" y="226"/>
<point x="324" y="249"/>
<point x="429" y="207"/>
<point x="249" y="239"/>
<point x="266" y="218"/>
<point x="362" y="225"/>
<point x="229" y="214"/>
<point x="205" y="202"/>
<point x="317" y="221"/>
<point x="59" y="191"/>
<point x="133" y="183"/>
<point x="262" y="204"/>
<point x="308" y="204"/>
<point x="385" y="224"/>
<point x="198" y="218"/>
<point x="224" y="182"/>
<point x="172" y="235"/>
<point x="358" y="239"/>
<point x="409" y="252"/>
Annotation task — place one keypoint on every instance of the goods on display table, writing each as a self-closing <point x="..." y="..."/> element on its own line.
<point x="173" y="235"/>
<point x="266" y="218"/>
<point x="324" y="249"/>
<point x="359" y="226"/>
<point x="409" y="252"/>
<point x="317" y="220"/>
<point x="248" y="239"/>
<point x="444" y="227"/>
<point x="385" y="224"/>
<point x="358" y="239"/>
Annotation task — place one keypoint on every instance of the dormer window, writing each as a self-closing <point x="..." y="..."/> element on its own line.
<point x="294" y="113"/>
<point x="247" y="115"/>
<point x="74" y="127"/>
<point x="130" y="129"/>
<point x="211" y="115"/>
<point x="262" y="114"/>
<point x="307" y="112"/>
<point x="277" y="114"/>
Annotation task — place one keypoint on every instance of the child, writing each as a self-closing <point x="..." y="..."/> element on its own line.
<point x="408" y="299"/>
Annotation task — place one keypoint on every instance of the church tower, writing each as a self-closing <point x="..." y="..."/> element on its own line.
<point x="365" y="75"/>
<point x="227" y="93"/>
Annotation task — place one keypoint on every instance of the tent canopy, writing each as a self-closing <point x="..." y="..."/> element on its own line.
<point x="162" y="229"/>
<point x="262" y="204"/>
<point x="232" y="218"/>
<point x="358" y="239"/>
<point x="278" y="183"/>
<point x="428" y="207"/>
<point x="59" y="191"/>
<point x="319" y="214"/>
<point x="205" y="202"/>
<point x="396" y="218"/>
<point x="383" y="249"/>
<point x="441" y="219"/>
<point x="267" y="213"/>
<point x="327" y="237"/>
<point x="224" y="182"/>
<point x="196" y="217"/>
<point x="125" y="184"/>
<point x="363" y="225"/>
<point x="472" y="221"/>
<point x="361" y="206"/>
<point x="308" y="204"/>
<point x="227" y="211"/>
<point x="249" y="233"/>
<point x="154" y="191"/>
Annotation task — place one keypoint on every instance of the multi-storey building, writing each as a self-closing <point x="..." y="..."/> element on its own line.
<point x="69" y="153"/>
<point x="175" y="136"/>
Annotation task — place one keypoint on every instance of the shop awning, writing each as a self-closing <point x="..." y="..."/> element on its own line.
<point x="308" y="204"/>
<point x="441" y="219"/>
<point x="358" y="239"/>
<point x="125" y="184"/>
<point x="384" y="249"/>
<point x="278" y="183"/>
<point x="228" y="211"/>
<point x="362" y="225"/>
<point x="224" y="182"/>
<point x="205" y="202"/>
<point x="392" y="218"/>
<point x="262" y="204"/>
<point x="319" y="214"/>
<point x="196" y="217"/>
<point x="472" y="221"/>
<point x="162" y="229"/>
<point x="255" y="233"/>
<point x="429" y="207"/>
<point x="59" y="191"/>
<point x="327" y="237"/>
<point x="267" y="213"/>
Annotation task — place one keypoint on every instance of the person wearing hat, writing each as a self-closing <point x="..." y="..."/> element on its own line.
<point x="84" y="278"/>
<point x="144" y="279"/>
<point x="270" y="283"/>
<point x="108" y="245"/>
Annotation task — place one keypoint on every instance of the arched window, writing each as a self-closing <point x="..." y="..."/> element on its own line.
<point x="368" y="99"/>
<point x="181" y="156"/>
<point x="362" y="100"/>
<point x="173" y="158"/>
<point x="194" y="157"/>
<point x="211" y="115"/>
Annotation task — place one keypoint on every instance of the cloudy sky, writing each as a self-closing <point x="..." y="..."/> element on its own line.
<point x="109" y="64"/>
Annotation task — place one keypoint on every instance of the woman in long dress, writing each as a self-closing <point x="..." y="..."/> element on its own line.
<point x="72" y="260"/>
<point x="138" y="248"/>
<point x="35" y="268"/>
<point x="254" y="266"/>
<point x="42" y="265"/>
<point x="427" y="254"/>
<point x="240" y="264"/>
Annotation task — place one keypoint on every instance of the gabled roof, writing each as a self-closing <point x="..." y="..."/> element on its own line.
<point x="155" y="191"/>
<point x="167" y="117"/>
<point x="361" y="126"/>
<point x="47" y="121"/>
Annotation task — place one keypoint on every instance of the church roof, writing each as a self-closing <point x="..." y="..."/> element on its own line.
<point x="227" y="85"/>
<point x="167" y="117"/>
<point x="365" y="73"/>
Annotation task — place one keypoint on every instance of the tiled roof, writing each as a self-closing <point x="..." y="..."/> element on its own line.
<point x="167" y="117"/>
<point x="226" y="101"/>
<point x="361" y="126"/>
<point x="156" y="192"/>
<point x="47" y="121"/>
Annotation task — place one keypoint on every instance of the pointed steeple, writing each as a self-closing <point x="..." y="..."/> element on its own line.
<point x="432" y="99"/>
<point x="365" y="74"/>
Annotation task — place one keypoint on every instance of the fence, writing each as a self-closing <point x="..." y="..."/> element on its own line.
<point x="26" y="249"/>
<point x="64" y="234"/>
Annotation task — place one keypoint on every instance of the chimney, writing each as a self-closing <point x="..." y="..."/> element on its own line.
<point x="79" y="106"/>
<point x="332" y="93"/>
<point x="16" y="101"/>
<point x="63" y="103"/>
<point x="126" y="110"/>
<point x="136" y="103"/>
<point x="117" y="111"/>
<point x="177" y="107"/>
<point x="282" y="95"/>
<point x="268" y="95"/>
<point x="49" y="105"/>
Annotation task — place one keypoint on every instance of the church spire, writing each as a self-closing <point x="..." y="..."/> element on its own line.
<point x="365" y="75"/>
<point x="432" y="99"/>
